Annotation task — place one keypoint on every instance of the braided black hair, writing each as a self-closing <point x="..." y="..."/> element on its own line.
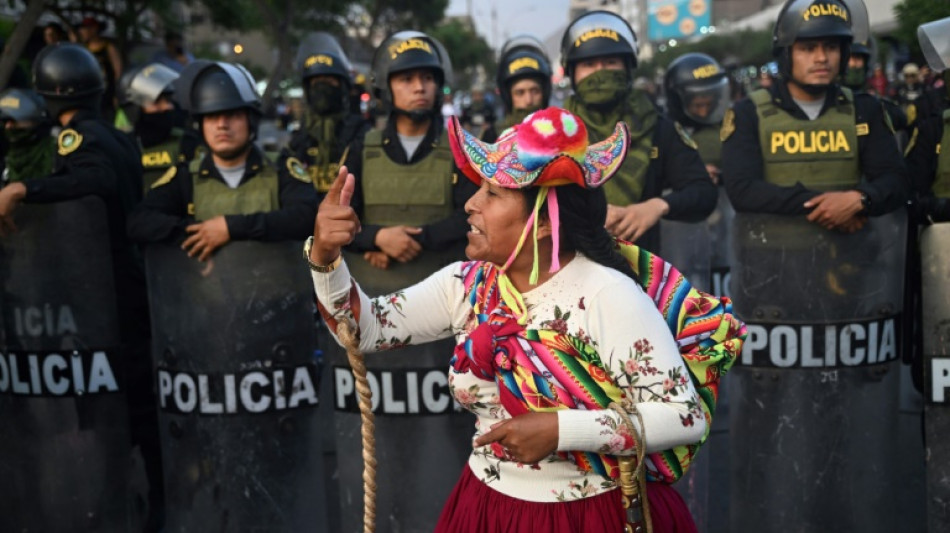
<point x="583" y="213"/>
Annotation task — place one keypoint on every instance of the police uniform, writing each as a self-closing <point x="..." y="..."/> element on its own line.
<point x="384" y="196"/>
<point x="763" y="160"/>
<point x="306" y="149"/>
<point x="928" y="164"/>
<point x="269" y="204"/>
<point x="178" y="147"/>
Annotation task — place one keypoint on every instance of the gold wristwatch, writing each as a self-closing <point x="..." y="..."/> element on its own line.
<point x="323" y="269"/>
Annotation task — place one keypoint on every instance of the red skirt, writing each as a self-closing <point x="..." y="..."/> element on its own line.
<point x="476" y="508"/>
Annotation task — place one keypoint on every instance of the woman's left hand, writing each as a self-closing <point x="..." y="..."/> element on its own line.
<point x="528" y="438"/>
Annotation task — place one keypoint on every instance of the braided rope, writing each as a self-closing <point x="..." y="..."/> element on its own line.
<point x="633" y="481"/>
<point x="367" y="422"/>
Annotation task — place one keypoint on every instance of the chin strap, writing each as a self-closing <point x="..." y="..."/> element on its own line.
<point x="416" y="116"/>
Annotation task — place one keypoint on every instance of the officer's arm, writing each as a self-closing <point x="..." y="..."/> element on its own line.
<point x="293" y="221"/>
<point x="87" y="172"/>
<point x="693" y="196"/>
<point x="743" y="172"/>
<point x="365" y="240"/>
<point x="442" y="234"/>
<point x="921" y="160"/>
<point x="163" y="214"/>
<point x="883" y="167"/>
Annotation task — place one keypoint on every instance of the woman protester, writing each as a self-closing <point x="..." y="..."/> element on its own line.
<point x="562" y="353"/>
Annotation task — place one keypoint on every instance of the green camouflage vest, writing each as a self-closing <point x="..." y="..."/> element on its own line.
<point x="822" y="154"/>
<point x="213" y="197"/>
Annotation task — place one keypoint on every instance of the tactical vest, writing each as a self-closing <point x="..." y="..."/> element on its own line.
<point x="159" y="158"/>
<point x="941" y="186"/>
<point x="213" y="197"/>
<point x="412" y="195"/>
<point x="709" y="145"/>
<point x="416" y="194"/>
<point x="822" y="154"/>
<point x="627" y="186"/>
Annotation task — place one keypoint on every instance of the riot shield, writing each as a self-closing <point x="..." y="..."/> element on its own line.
<point x="233" y="349"/>
<point x="719" y="225"/>
<point x="935" y="286"/>
<point x="814" y="397"/>
<point x="416" y="418"/>
<point x="686" y="246"/>
<point x="64" y="432"/>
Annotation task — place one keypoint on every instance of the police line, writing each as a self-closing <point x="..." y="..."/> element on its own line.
<point x="835" y="345"/>
<point x="252" y="391"/>
<point x="49" y="373"/>
<point x="398" y="391"/>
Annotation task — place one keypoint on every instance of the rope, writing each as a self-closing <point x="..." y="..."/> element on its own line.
<point x="367" y="424"/>
<point x="633" y="481"/>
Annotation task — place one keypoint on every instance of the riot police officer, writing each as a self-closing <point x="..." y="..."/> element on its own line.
<point x="27" y="129"/>
<point x="478" y="114"/>
<point x="228" y="191"/>
<point x="697" y="90"/>
<point x="524" y="79"/>
<point x="408" y="194"/>
<point x="330" y="125"/>
<point x="145" y="95"/>
<point x="816" y="179"/>
<point x="762" y="155"/>
<point x="599" y="55"/>
<point x="94" y="159"/>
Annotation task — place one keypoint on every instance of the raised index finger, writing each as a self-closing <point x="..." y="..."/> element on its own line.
<point x="336" y="188"/>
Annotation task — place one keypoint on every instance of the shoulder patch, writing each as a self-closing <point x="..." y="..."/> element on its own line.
<point x="69" y="141"/>
<point x="863" y="129"/>
<point x="166" y="177"/>
<point x="684" y="136"/>
<point x="728" y="125"/>
<point x="297" y="170"/>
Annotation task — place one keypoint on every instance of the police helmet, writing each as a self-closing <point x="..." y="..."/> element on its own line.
<point x="598" y="34"/>
<point x="68" y="76"/>
<point x="320" y="55"/>
<point x="697" y="89"/>
<point x="523" y="57"/>
<point x="934" y="38"/>
<point x="22" y="105"/>
<point x="409" y="50"/>
<point x="811" y="19"/>
<point x="213" y="87"/>
<point x="141" y="86"/>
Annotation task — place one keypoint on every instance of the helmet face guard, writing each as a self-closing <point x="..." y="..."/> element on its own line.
<point x="698" y="89"/>
<point x="598" y="34"/>
<point x="409" y="50"/>
<point x="523" y="57"/>
<point x="811" y="19"/>
<point x="934" y="40"/>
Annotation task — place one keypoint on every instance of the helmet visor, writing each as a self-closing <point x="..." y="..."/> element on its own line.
<point x="706" y="103"/>
<point x="934" y="40"/>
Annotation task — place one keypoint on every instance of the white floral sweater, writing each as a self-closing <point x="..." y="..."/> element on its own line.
<point x="585" y="299"/>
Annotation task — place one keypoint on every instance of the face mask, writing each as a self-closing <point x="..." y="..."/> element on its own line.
<point x="153" y="128"/>
<point x="325" y="98"/>
<point x="854" y="78"/>
<point x="604" y="87"/>
<point x="18" y="137"/>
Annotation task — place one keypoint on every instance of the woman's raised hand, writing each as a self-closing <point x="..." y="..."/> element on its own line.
<point x="336" y="224"/>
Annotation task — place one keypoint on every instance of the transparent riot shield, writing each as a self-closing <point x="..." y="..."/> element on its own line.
<point x="416" y="418"/>
<point x="814" y="398"/>
<point x="64" y="433"/>
<point x="686" y="246"/>
<point x="233" y="348"/>
<point x="935" y="290"/>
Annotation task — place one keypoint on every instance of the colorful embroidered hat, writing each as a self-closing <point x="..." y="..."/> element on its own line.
<point x="549" y="148"/>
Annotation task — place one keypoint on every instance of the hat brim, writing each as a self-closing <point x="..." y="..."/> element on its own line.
<point x="498" y="162"/>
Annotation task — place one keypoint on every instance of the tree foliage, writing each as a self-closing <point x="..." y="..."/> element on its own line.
<point x="912" y="13"/>
<point x="746" y="47"/>
<point x="468" y="51"/>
